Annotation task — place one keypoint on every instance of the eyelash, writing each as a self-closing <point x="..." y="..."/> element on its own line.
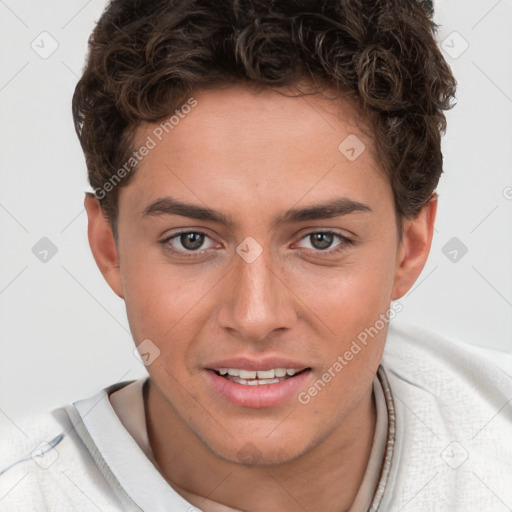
<point x="186" y="254"/>
<point x="343" y="246"/>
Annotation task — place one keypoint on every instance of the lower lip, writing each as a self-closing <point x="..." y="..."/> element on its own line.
<point x="259" y="396"/>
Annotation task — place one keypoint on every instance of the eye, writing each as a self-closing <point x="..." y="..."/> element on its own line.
<point x="324" y="240"/>
<point x="188" y="242"/>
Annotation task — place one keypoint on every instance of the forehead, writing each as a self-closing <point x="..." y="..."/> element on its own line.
<point x="239" y="146"/>
<point x="243" y="115"/>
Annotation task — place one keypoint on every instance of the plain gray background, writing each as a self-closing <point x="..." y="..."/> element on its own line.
<point x="64" y="334"/>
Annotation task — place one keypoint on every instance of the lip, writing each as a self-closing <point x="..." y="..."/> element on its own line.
<point x="259" y="396"/>
<point x="267" y="363"/>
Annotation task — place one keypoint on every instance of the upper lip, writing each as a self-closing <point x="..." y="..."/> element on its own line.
<point x="267" y="363"/>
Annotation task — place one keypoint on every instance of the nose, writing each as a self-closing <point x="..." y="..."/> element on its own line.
<point x="257" y="301"/>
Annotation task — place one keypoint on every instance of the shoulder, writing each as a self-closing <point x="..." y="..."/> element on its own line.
<point x="416" y="355"/>
<point x="453" y="406"/>
<point x="45" y="466"/>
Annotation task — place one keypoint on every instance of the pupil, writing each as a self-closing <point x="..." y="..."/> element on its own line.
<point x="321" y="240"/>
<point x="192" y="241"/>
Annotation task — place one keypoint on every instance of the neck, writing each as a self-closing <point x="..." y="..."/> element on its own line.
<point x="327" y="477"/>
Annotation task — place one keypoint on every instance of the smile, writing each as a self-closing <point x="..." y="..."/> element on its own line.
<point x="257" y="377"/>
<point x="257" y="388"/>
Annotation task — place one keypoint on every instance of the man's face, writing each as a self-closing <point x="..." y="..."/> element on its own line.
<point x="288" y="283"/>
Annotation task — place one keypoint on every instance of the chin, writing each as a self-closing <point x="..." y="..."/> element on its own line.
<point x="253" y="453"/>
<point x="260" y="450"/>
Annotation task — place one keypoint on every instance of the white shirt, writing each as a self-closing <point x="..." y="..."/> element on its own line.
<point x="442" y="443"/>
<point x="128" y="405"/>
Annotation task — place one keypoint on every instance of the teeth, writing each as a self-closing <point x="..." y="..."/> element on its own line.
<point x="254" y="382"/>
<point x="262" y="374"/>
<point x="244" y="374"/>
<point x="258" y="374"/>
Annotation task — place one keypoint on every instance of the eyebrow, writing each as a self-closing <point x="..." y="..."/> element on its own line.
<point x="333" y="208"/>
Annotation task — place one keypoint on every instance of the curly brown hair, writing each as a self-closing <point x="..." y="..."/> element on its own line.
<point x="147" y="56"/>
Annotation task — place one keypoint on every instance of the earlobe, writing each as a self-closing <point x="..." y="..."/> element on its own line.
<point x="414" y="248"/>
<point x="103" y="245"/>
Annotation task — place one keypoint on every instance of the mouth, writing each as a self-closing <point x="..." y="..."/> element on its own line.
<point x="258" y="377"/>
<point x="257" y="385"/>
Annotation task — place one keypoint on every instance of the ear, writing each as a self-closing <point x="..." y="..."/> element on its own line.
<point x="103" y="245"/>
<point x="414" y="248"/>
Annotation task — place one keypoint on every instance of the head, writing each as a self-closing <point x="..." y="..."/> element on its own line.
<point x="264" y="177"/>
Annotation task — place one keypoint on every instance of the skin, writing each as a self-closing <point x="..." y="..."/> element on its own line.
<point x="253" y="155"/>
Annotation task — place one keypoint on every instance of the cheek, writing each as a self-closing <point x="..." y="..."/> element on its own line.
<point x="353" y="296"/>
<point x="154" y="298"/>
<point x="166" y="304"/>
<point x="353" y="304"/>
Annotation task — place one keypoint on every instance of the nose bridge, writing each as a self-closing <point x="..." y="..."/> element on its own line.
<point x="259" y="304"/>
<point x="254" y="283"/>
